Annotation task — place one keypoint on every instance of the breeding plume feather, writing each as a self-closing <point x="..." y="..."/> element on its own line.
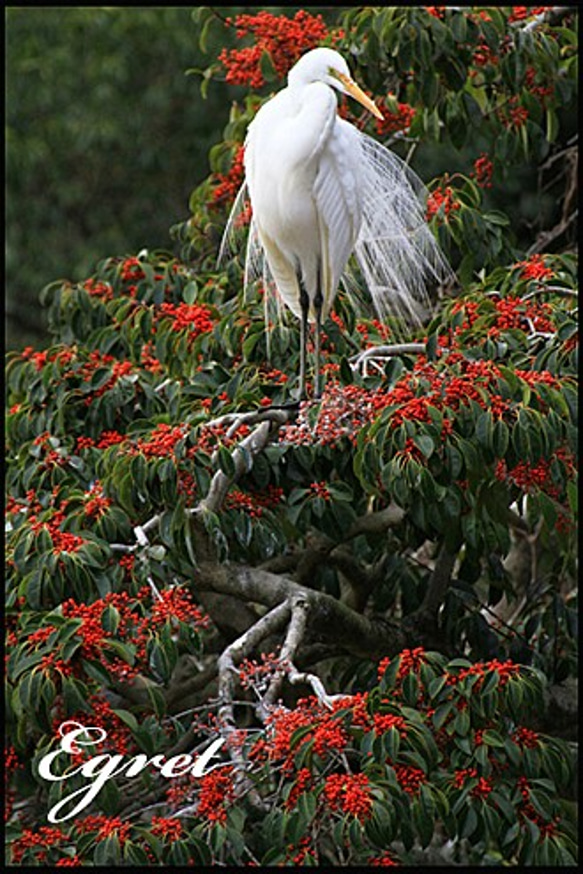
<point x="320" y="191"/>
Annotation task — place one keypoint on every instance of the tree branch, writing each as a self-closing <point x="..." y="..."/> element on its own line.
<point x="439" y="582"/>
<point x="269" y="422"/>
<point x="383" y="352"/>
<point x="329" y="618"/>
<point x="232" y="655"/>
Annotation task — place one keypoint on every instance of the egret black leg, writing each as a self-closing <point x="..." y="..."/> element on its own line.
<point x="318" y="302"/>
<point x="305" y="305"/>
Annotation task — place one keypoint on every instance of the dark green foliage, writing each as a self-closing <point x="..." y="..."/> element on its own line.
<point x="420" y="518"/>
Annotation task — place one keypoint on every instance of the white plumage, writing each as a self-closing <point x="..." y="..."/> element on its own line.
<point x="320" y="190"/>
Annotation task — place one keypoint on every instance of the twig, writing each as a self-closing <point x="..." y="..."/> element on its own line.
<point x="547" y="237"/>
<point x="386" y="351"/>
<point x="553" y="15"/>
<point x="242" y="455"/>
<point x="276" y="415"/>
<point x="140" y="530"/>
<point x="555" y="289"/>
<point x="294" y="636"/>
<point x="268" y="624"/>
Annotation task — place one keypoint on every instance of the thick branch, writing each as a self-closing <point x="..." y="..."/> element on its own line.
<point x="269" y="422"/>
<point x="376" y="523"/>
<point x="329" y="618"/>
<point x="242" y="455"/>
<point x="439" y="582"/>
<point x="239" y="649"/>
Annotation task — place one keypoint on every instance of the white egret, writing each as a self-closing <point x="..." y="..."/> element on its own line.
<point x="321" y="189"/>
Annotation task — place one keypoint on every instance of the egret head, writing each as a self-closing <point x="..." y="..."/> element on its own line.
<point x="326" y="65"/>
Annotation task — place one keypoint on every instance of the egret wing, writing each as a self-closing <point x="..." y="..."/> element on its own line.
<point x="337" y="203"/>
<point x="396" y="252"/>
<point x="255" y="262"/>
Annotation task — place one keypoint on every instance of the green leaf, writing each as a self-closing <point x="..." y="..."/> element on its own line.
<point x="226" y="462"/>
<point x="107" y="852"/>
<point x="189" y="292"/>
<point x="501" y="438"/>
<point x="425" y="444"/>
<point x="485" y="429"/>
<point x="346" y="373"/>
<point x="461" y="722"/>
<point x="423" y="823"/>
<point x="266" y="66"/>
<point x="552" y="129"/>
<point x="128" y="718"/>
<point x="74" y="695"/>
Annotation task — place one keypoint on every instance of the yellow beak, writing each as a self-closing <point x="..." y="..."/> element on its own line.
<point x="355" y="91"/>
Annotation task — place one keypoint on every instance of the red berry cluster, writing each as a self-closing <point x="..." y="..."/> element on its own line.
<point x="520" y="13"/>
<point x="95" y="288"/>
<point x="513" y="312"/>
<point x="229" y="183"/>
<point x="525" y="737"/>
<point x="304" y="852"/>
<point x="461" y="775"/>
<point x="96" y="503"/>
<point x="105" y="827"/>
<point x="168" y="828"/>
<point x="96" y="360"/>
<point x="106" y="438"/>
<point x="131" y="270"/>
<point x="162" y="441"/>
<point x="483" y="170"/>
<point x="283" y="39"/>
<point x="540" y="91"/>
<point x="216" y="791"/>
<point x="256" y="502"/>
<point x="381" y="329"/>
<point x="436" y="11"/>
<point x="483" y="56"/>
<point x="93" y="634"/>
<point x="513" y="114"/>
<point x="327" y="731"/>
<point x="273" y="375"/>
<point x="37" y="841"/>
<point x="254" y="674"/>
<point x="535" y="268"/>
<point x="505" y="670"/>
<point x="127" y="562"/>
<point x="302" y="783"/>
<point x="410" y="778"/>
<point x="386" y="860"/>
<point x="382" y="722"/>
<point x="394" y="121"/>
<point x="63" y="541"/>
<point x="410" y="660"/>
<point x="195" y="318"/>
<point x="320" y="490"/>
<point x="175" y="604"/>
<point x="349" y="793"/>
<point x="528" y="811"/>
<point x="40" y="636"/>
<point x="529" y="477"/>
<point x="441" y="202"/>
<point x="148" y="360"/>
